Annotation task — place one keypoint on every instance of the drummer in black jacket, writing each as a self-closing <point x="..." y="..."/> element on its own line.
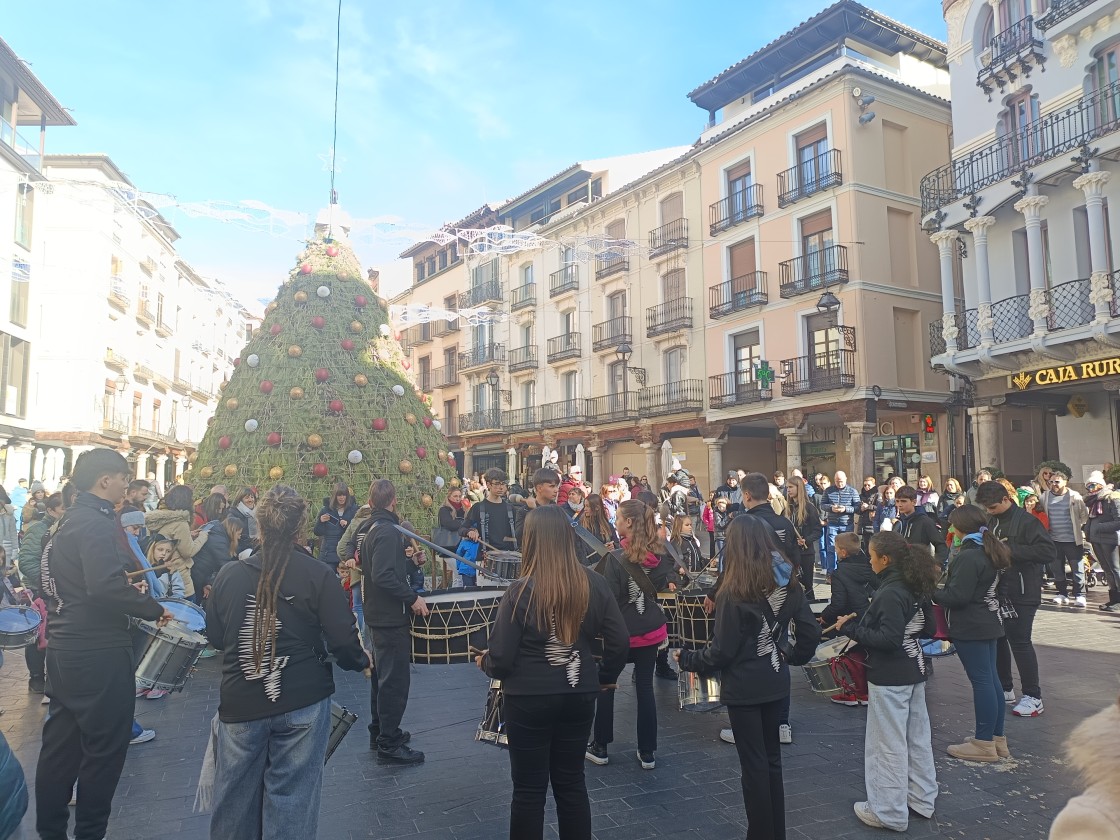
<point x="853" y="582"/>
<point x="921" y="529"/>
<point x="90" y="667"/>
<point x="758" y="599"/>
<point x="388" y="603"/>
<point x="541" y="649"/>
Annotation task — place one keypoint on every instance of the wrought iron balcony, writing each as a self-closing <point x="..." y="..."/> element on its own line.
<point x="1054" y="134"/>
<point x="670" y="316"/>
<point x="442" y="327"/>
<point x="564" y="413"/>
<point x="523" y="297"/>
<point x="813" y="272"/>
<point x="606" y="266"/>
<point x="1059" y="11"/>
<point x="521" y="419"/>
<point x="611" y="408"/>
<point x="741" y="206"/>
<point x="489" y="291"/>
<point x="737" y="294"/>
<point x="736" y="388"/>
<point x="424" y="380"/>
<point x="609" y="334"/>
<point x="163" y="329"/>
<point x="485" y="354"/>
<point x="143" y="372"/>
<point x="445" y="377"/>
<point x="820" y="372"/>
<point x="117" y="295"/>
<point x="1011" y="318"/>
<point x="667" y="238"/>
<point x="183" y="386"/>
<point x="522" y="358"/>
<point x="485" y="420"/>
<point x="1012" y="53"/>
<point x="811" y="176"/>
<point x="564" y="280"/>
<point x="563" y="347"/>
<point x="115" y="425"/>
<point x="144" y="313"/>
<point x="672" y="398"/>
<point x="421" y="334"/>
<point x="1070" y="306"/>
<point x="115" y="360"/>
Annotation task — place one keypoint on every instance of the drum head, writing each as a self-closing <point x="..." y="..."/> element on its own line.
<point x="188" y="614"/>
<point x="18" y="619"/>
<point x="832" y="649"/>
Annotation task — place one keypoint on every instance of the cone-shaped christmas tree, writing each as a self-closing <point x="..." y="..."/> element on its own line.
<point x="322" y="395"/>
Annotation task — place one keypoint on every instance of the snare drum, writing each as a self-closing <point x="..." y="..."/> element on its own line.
<point x="698" y="693"/>
<point x="19" y="627"/>
<point x="504" y="564"/>
<point x="694" y="626"/>
<point x="819" y="670"/>
<point x="459" y="619"/>
<point x="341" y="721"/>
<point x="191" y="616"/>
<point x="167" y="656"/>
<point x="668" y="604"/>
<point x="492" y="729"/>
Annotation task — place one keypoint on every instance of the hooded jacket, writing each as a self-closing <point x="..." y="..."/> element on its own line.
<point x="332" y="530"/>
<point x="641" y="612"/>
<point x="176" y="526"/>
<point x="386" y="595"/>
<point x="1031" y="550"/>
<point x="1094" y="750"/>
<point x="853" y="584"/>
<point x="1104" y="517"/>
<point x="890" y="631"/>
<point x="969" y="595"/>
<point x="31" y="552"/>
<point x="921" y="530"/>
<point x="734" y="495"/>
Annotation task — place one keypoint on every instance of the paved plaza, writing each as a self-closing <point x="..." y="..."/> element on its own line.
<point x="462" y="792"/>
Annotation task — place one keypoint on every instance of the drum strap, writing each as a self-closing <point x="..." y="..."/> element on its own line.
<point x="484" y="521"/>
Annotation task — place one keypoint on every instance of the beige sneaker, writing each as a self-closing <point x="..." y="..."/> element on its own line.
<point x="973" y="750"/>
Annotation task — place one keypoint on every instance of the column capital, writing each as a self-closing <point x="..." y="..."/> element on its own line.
<point x="944" y="239"/>
<point x="861" y="427"/>
<point x="1031" y="205"/>
<point x="978" y="227"/>
<point x="716" y="441"/>
<point x="792" y="433"/>
<point x="1092" y="183"/>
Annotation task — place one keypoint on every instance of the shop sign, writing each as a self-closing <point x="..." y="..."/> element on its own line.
<point x="1061" y="374"/>
<point x="897" y="404"/>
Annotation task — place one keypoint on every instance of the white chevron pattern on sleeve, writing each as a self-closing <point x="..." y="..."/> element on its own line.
<point x="270" y="672"/>
<point x="637" y="597"/>
<point x="560" y="655"/>
<point x="767" y="647"/>
<point x="910" y="642"/>
<point x="991" y="601"/>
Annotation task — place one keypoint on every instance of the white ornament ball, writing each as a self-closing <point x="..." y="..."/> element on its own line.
<point x="251" y="425"/>
<point x="398" y="390"/>
<point x="438" y="426"/>
<point x="355" y="457"/>
<point x="439" y="481"/>
<point x="323" y="291"/>
<point x="385" y="330"/>
<point x="253" y="360"/>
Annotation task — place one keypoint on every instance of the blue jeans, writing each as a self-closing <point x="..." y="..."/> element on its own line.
<point x="828" y="558"/>
<point x="269" y="775"/>
<point x="356" y="594"/>
<point x="979" y="661"/>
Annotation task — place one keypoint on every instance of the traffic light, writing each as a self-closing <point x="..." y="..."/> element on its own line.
<point x="929" y="423"/>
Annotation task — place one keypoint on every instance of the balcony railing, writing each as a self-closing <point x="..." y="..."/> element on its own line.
<point x="968" y="332"/>
<point x="489" y="291"/>
<point x="672" y="398"/>
<point x="1059" y="11"/>
<point x="669" y="237"/>
<point x="144" y="372"/>
<point x="1054" y="134"/>
<point x="1010" y="54"/>
<point x="609" y="334"/>
<point x="810" y="176"/>
<point x="670" y="316"/>
<point x="486" y="354"/>
<point x="564" y="280"/>
<point x="163" y="328"/>
<point x="480" y="421"/>
<point x="522" y="358"/>
<point x="611" y="408"/>
<point x="445" y="377"/>
<point x="563" y="347"/>
<point x="521" y="419"/>
<point x="820" y="372"/>
<point x="117" y="426"/>
<point x="181" y="385"/>
<point x="424" y="380"/>
<point x="737" y="294"/>
<point x="564" y="413"/>
<point x="1070" y="306"/>
<point x="741" y="206"/>
<point x="1011" y="318"/>
<point x="23" y="147"/>
<point x="736" y="388"/>
<point x="115" y="360"/>
<point x="813" y="272"/>
<point x="606" y="266"/>
<point x="444" y="327"/>
<point x="144" y="313"/>
<point x="117" y="295"/>
<point x="523" y="296"/>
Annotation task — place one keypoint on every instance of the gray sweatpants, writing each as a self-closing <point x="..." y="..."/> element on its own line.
<point x="898" y="754"/>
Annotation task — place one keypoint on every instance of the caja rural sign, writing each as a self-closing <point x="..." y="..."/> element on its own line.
<point x="1061" y="374"/>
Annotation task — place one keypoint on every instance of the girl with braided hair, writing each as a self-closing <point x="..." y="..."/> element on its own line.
<point x="269" y="615"/>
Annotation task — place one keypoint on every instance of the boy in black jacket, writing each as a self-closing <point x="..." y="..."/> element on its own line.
<point x="854" y="582"/>
<point x="919" y="528"/>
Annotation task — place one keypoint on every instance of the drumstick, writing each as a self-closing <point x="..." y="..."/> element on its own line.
<point x="833" y="627"/>
<point x="140" y="572"/>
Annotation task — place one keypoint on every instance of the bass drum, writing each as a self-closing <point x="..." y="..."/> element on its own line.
<point x="694" y="626"/>
<point x="458" y="620"/>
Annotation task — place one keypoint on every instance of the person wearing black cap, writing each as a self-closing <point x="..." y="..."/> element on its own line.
<point x="731" y="491"/>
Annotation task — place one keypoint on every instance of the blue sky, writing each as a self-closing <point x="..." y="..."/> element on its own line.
<point x="443" y="105"/>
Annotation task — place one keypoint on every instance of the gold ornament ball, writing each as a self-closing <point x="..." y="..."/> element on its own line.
<point x="230" y="470"/>
<point x="222" y="385"/>
<point x="442" y="455"/>
<point x="296" y="393"/>
<point x="356" y="326"/>
<point x="410" y="418"/>
<point x="314" y="441"/>
<point x="268" y="310"/>
<point x="206" y="472"/>
<point x="361" y="380"/>
<point x="276" y="473"/>
<point x="455" y="482"/>
<point x="405" y="466"/>
<point x="192" y="457"/>
<point x="295" y="351"/>
<point x="426" y="500"/>
<point x="301" y="297"/>
<point x="232" y="403"/>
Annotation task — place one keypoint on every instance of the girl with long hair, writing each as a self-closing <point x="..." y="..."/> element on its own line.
<point x="541" y="649"/>
<point x="174" y="519"/>
<point x="757" y="600"/>
<point x="634" y="579"/>
<point x="594" y="518"/>
<point x="898" y="753"/>
<point x="972" y="609"/>
<point x="948" y="502"/>
<point x="806" y="519"/>
<point x="269" y="615"/>
<point x="683" y="538"/>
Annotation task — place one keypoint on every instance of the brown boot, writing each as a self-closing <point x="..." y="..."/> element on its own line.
<point x="1001" y="745"/>
<point x="973" y="750"/>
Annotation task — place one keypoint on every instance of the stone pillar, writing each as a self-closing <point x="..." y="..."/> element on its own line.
<point x="861" y="452"/>
<point x="468" y="463"/>
<point x="653" y="455"/>
<point x="141" y="466"/>
<point x="979" y="227"/>
<point x="1031" y="208"/>
<point x="946" y="242"/>
<point x="1100" y="286"/>
<point x="180" y="465"/>
<point x="161" y="471"/>
<point x="793" y="448"/>
<point x="715" y="461"/>
<point x="598" y="472"/>
<point x="987" y="420"/>
<point x="18" y="463"/>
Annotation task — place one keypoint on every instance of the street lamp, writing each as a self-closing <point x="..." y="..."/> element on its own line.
<point x="623" y="353"/>
<point x="829" y="304"/>
<point x="187" y="403"/>
<point x="493" y="381"/>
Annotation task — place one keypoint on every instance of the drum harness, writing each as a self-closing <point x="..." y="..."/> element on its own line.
<point x="484" y="523"/>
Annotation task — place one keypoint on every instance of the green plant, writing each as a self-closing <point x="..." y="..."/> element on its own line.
<point x="996" y="472"/>
<point x="1054" y="466"/>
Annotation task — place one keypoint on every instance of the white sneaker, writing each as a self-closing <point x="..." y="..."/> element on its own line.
<point x="1080" y="601"/>
<point x="1009" y="697"/>
<point x="785" y="734"/>
<point x="727" y="736"/>
<point x="1028" y="707"/>
<point x="1060" y="600"/>
<point x="144" y="737"/>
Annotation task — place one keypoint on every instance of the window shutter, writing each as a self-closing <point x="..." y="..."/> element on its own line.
<point x="742" y="258"/>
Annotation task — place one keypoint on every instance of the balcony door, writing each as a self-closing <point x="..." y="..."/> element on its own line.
<point x="675" y="371"/>
<point x="482" y="335"/>
<point x="1106" y="80"/>
<point x="739" y="183"/>
<point x="1021" y="127"/>
<point x="483" y="396"/>
<point x="673" y="285"/>
<point x="569" y="387"/>
<point x="812" y="162"/>
<point x="672" y="208"/>
<point x="616" y="306"/>
<point x="817" y="256"/>
<point x="748" y="353"/>
<point x="823" y="349"/>
<point x="529" y="394"/>
<point x="741" y="260"/>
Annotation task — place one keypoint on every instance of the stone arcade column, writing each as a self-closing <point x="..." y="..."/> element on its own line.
<point x="161" y="471"/>
<point x="597" y="473"/>
<point x="979" y="227"/>
<point x="793" y="448"/>
<point x="468" y="465"/>
<point x="987" y="419"/>
<point x="715" y="461"/>
<point x="1031" y="208"/>
<point x="1100" y="286"/>
<point x="946" y="241"/>
<point x="653" y="455"/>
<point x="861" y="452"/>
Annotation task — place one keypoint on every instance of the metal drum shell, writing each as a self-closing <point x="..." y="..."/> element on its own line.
<point x="24" y="627"/>
<point x="341" y="721"/>
<point x="694" y="626"/>
<point x="668" y="602"/>
<point x="698" y="693"/>
<point x="504" y="564"/>
<point x="168" y="658"/>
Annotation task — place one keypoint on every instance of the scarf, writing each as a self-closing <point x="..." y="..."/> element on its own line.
<point x="251" y="518"/>
<point x="154" y="587"/>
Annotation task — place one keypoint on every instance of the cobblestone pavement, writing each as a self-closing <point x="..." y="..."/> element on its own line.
<point x="462" y="792"/>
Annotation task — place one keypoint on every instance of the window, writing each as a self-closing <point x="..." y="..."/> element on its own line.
<point x="597" y="188"/>
<point x="21" y="282"/>
<point x="454" y="252"/>
<point x="425" y="372"/>
<point x="526" y="335"/>
<point x="419" y="272"/>
<point x="824" y="342"/>
<point x="675" y="367"/>
<point x="739" y="182"/>
<point x="450" y="355"/>
<point x="155" y="416"/>
<point x="616" y="378"/>
<point x="813" y="163"/>
<point x="616" y="306"/>
<point x="816" y="245"/>
<point x="569" y="384"/>
<point x="16" y="359"/>
<point x="526" y="274"/>
<point x="740" y="257"/>
<point x="137" y="405"/>
<point x="673" y="286"/>
<point x="617" y="229"/>
<point x="159" y="309"/>
<point x="1105" y="77"/>
<point x="442" y="260"/>
<point x="431" y="266"/>
<point x="748" y="353"/>
<point x="528" y="394"/>
<point x="482" y="395"/>
<point x="575" y="196"/>
<point x="569" y="322"/>
<point x="25" y="207"/>
<point x="1020" y="124"/>
<point x="481" y="334"/>
<point x="672" y="208"/>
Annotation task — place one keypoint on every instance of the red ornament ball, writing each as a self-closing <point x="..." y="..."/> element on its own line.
<point x="322" y="374"/>
<point x="237" y="362"/>
<point x="380" y="424"/>
<point x="266" y="387"/>
<point x="332" y="250"/>
<point x="406" y="364"/>
<point x="306" y="268"/>
<point x="320" y="471"/>
<point x="451" y="459"/>
<point x="427" y="421"/>
<point x="275" y="329"/>
<point x="224" y="442"/>
<point x="274" y="439"/>
<point x="360" y="301"/>
<point x="318" y="322"/>
<point x="347" y="345"/>
<point x="421" y="452"/>
<point x="336" y="406"/>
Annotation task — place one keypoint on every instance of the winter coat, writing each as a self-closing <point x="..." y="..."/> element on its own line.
<point x="782" y="527"/>
<point x="31" y="552"/>
<point x="886" y="510"/>
<point x="734" y="496"/>
<point x="677" y="502"/>
<point x="209" y="559"/>
<point x="13" y="791"/>
<point x="641" y="612"/>
<point x="810" y="530"/>
<point x="846" y="497"/>
<point x="969" y="596"/>
<point x="176" y="526"/>
<point x="945" y="506"/>
<point x="332" y="530"/>
<point x="1104" y="517"/>
<point x="708" y="519"/>
<point x="1077" y="511"/>
<point x="1094" y="750"/>
<point x="891" y="630"/>
<point x="853" y="584"/>
<point x="922" y="531"/>
<point x="451" y="519"/>
<point x="721" y="520"/>
<point x="386" y="595"/>
<point x="1031" y="551"/>
<point x="248" y="528"/>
